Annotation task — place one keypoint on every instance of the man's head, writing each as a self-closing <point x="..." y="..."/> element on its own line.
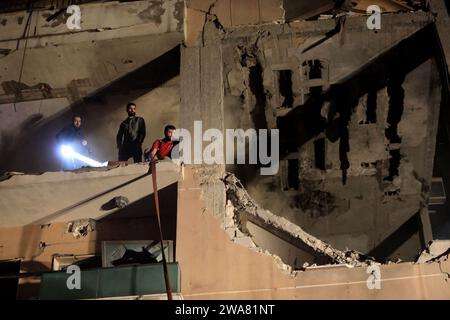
<point x="76" y="119"/>
<point x="131" y="109"/>
<point x="168" y="131"/>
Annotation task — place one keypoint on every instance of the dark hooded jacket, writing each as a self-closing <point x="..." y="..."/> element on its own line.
<point x="131" y="132"/>
<point x="70" y="135"/>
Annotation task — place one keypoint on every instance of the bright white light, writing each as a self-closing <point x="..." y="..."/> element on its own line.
<point x="89" y="161"/>
<point x="67" y="152"/>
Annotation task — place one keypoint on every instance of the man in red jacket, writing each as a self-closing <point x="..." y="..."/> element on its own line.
<point x="163" y="147"/>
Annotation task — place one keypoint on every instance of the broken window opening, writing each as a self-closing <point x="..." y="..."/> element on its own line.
<point x="285" y="87"/>
<point x="257" y="88"/>
<point x="293" y="178"/>
<point x="314" y="72"/>
<point x="394" y="163"/>
<point x="319" y="153"/>
<point x="315" y="69"/>
<point x="344" y="140"/>
<point x="396" y="106"/>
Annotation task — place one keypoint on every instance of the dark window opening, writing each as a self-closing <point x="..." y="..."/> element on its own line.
<point x="293" y="169"/>
<point x="285" y="87"/>
<point x="257" y="88"/>
<point x="319" y="153"/>
<point x="396" y="100"/>
<point x="394" y="163"/>
<point x="313" y="71"/>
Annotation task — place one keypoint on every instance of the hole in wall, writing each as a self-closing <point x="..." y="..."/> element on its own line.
<point x="396" y="106"/>
<point x="319" y="153"/>
<point x="285" y="87"/>
<point x="293" y="170"/>
<point x="394" y="163"/>
<point x="257" y="88"/>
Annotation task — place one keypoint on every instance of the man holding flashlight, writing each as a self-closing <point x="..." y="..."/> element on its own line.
<point x="72" y="136"/>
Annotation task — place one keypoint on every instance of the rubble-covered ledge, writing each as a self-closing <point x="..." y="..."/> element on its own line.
<point x="71" y="195"/>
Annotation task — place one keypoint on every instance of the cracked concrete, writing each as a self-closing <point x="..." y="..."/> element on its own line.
<point x="244" y="203"/>
<point x="153" y="12"/>
<point x="366" y="185"/>
<point x="254" y="274"/>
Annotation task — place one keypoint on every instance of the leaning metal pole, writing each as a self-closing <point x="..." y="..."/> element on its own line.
<point x="158" y="216"/>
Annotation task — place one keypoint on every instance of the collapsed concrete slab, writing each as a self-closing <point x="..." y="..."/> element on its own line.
<point x="436" y="250"/>
<point x="243" y="203"/>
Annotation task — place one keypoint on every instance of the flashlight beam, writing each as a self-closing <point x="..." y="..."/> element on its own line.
<point x="88" y="161"/>
<point x="69" y="152"/>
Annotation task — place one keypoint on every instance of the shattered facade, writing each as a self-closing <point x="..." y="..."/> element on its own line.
<point x="353" y="167"/>
<point x="357" y="112"/>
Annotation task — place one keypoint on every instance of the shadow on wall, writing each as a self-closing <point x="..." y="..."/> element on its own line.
<point x="136" y="221"/>
<point x="305" y="122"/>
<point x="8" y="138"/>
<point x="33" y="149"/>
<point x="143" y="208"/>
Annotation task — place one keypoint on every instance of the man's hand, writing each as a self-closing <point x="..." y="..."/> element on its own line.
<point x="146" y="155"/>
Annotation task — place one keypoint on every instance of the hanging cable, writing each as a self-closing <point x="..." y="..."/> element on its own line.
<point x="25" y="35"/>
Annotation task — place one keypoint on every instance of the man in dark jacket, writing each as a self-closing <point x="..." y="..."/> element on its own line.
<point x="73" y="136"/>
<point x="131" y="135"/>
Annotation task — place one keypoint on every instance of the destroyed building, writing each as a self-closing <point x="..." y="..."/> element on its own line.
<point x="361" y="114"/>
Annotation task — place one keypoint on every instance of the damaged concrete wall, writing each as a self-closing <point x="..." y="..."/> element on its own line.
<point x="354" y="168"/>
<point x="48" y="70"/>
<point x="367" y="141"/>
<point x="202" y="100"/>
<point x="227" y="13"/>
<point x="109" y="44"/>
<point x="231" y="14"/>
<point x="252" y="274"/>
